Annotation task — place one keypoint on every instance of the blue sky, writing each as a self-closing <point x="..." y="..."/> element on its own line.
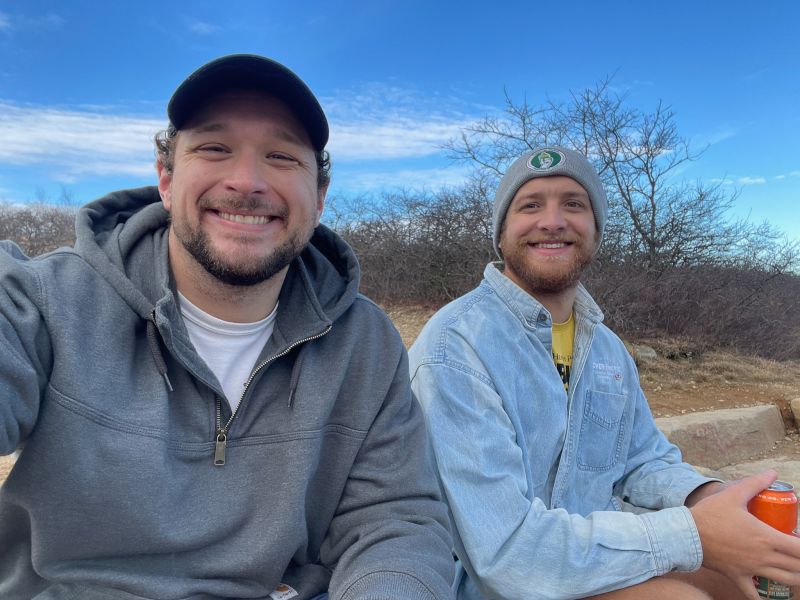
<point x="84" y="85"/>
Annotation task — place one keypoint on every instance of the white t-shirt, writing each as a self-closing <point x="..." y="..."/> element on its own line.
<point x="229" y="349"/>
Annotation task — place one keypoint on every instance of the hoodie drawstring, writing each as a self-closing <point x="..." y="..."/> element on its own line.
<point x="155" y="350"/>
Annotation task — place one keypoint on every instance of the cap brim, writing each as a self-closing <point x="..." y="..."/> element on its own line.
<point x="251" y="72"/>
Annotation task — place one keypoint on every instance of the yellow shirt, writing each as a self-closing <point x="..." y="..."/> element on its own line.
<point x="563" y="339"/>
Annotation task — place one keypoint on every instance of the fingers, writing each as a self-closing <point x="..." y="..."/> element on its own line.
<point x="745" y="585"/>
<point x="748" y="487"/>
<point x="786" y="546"/>
<point x="789" y="578"/>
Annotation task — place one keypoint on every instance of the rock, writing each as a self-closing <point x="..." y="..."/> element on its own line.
<point x="715" y="439"/>
<point x="795" y="404"/>
<point x="644" y="353"/>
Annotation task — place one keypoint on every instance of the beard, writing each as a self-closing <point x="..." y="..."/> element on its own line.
<point x="234" y="270"/>
<point x="548" y="275"/>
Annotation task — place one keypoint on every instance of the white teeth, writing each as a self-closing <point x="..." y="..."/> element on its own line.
<point x="551" y="246"/>
<point x="247" y="219"/>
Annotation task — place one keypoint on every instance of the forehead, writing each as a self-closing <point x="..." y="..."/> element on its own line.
<point x="246" y="108"/>
<point x="551" y="185"/>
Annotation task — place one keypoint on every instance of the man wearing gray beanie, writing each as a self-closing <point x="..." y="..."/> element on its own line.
<point x="559" y="483"/>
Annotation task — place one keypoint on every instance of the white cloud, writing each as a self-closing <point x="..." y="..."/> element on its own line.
<point x="370" y="181"/>
<point x="795" y="173"/>
<point x="714" y="137"/>
<point x="202" y="27"/>
<point x="46" y="22"/>
<point x="382" y="121"/>
<point x="746" y="180"/>
<point x="751" y="180"/>
<point x="398" y="137"/>
<point x="74" y="144"/>
<point x="780" y="177"/>
<point x="377" y="123"/>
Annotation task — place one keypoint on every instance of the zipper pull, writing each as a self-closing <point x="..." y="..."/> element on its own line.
<point x="219" y="450"/>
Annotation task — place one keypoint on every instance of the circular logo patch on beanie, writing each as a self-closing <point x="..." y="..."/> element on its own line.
<point x="545" y="159"/>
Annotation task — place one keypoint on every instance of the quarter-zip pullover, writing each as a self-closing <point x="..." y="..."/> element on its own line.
<point x="327" y="481"/>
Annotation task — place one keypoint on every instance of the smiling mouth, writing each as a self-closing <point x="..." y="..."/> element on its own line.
<point x="246" y="219"/>
<point x="550" y="245"/>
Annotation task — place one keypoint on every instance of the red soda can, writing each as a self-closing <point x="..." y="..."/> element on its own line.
<point x="777" y="507"/>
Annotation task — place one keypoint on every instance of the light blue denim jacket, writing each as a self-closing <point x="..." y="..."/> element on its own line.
<point x="536" y="479"/>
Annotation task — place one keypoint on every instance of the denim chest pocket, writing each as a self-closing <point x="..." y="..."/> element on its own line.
<point x="602" y="431"/>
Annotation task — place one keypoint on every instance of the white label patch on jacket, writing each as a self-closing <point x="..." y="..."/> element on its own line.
<point x="283" y="592"/>
<point x="607" y="376"/>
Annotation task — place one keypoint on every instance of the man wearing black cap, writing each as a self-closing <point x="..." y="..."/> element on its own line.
<point x="206" y="407"/>
<point x="560" y="485"/>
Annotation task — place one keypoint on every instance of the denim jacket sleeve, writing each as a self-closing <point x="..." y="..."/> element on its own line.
<point x="655" y="476"/>
<point x="511" y="544"/>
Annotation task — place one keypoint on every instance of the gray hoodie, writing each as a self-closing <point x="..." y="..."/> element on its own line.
<point x="327" y="481"/>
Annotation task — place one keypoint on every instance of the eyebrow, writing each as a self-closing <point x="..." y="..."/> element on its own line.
<point x="213" y="127"/>
<point x="567" y="195"/>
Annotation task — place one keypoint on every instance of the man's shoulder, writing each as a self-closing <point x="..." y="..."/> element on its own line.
<point x="367" y="310"/>
<point x="460" y="325"/>
<point x="13" y="257"/>
<point x="603" y="333"/>
<point x="365" y="321"/>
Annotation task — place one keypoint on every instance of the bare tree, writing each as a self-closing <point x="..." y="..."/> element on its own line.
<point x="37" y="228"/>
<point x="655" y="219"/>
<point x="418" y="247"/>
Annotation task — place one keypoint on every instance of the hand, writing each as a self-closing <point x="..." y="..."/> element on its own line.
<point x="737" y="544"/>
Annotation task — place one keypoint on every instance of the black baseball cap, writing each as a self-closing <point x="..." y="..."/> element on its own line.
<point x="249" y="72"/>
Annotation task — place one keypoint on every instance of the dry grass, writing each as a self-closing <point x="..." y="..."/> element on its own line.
<point x="6" y="462"/>
<point x="409" y="321"/>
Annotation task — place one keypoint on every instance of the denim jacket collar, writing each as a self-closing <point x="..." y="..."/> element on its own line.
<point x="527" y="308"/>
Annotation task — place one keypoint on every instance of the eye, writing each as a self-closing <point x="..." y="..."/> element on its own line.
<point x="281" y="156"/>
<point x="212" y="148"/>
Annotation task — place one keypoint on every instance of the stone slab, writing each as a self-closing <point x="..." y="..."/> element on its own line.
<point x="795" y="405"/>
<point x="719" y="438"/>
<point x="788" y="469"/>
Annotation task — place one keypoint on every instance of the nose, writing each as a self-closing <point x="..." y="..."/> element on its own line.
<point x="552" y="218"/>
<point x="246" y="176"/>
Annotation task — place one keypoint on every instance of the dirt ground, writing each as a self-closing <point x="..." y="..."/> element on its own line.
<point x="680" y="380"/>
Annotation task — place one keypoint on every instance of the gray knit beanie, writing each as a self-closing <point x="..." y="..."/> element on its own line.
<point x="546" y="162"/>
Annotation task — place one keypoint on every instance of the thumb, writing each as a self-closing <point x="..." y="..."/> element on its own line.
<point x="749" y="487"/>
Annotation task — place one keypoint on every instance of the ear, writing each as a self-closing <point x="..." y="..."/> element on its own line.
<point x="321" y="194"/>
<point x="164" y="185"/>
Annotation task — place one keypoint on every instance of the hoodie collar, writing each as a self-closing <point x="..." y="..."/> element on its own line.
<point x="124" y="237"/>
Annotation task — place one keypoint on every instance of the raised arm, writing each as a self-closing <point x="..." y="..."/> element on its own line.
<point x="26" y="355"/>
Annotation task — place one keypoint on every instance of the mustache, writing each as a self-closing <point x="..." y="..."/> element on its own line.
<point x="234" y="203"/>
